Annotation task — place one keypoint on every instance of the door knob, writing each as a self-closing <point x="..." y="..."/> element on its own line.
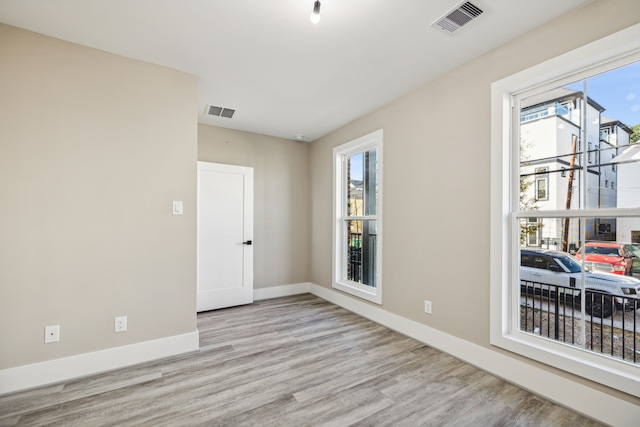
<point x="248" y="242"/>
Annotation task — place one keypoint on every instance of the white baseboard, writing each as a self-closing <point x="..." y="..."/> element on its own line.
<point x="579" y="398"/>
<point x="281" y="291"/>
<point x="57" y="370"/>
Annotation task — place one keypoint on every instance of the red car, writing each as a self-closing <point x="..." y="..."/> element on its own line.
<point x="611" y="257"/>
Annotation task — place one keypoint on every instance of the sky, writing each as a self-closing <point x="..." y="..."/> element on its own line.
<point x="618" y="91"/>
<point x="356" y="167"/>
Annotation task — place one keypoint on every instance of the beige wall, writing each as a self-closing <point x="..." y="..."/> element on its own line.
<point x="281" y="199"/>
<point x="93" y="149"/>
<point x="437" y="174"/>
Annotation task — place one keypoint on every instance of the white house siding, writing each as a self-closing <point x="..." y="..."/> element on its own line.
<point x="550" y="139"/>
<point x="628" y="189"/>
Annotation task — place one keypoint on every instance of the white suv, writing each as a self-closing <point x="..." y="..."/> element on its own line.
<point x="548" y="272"/>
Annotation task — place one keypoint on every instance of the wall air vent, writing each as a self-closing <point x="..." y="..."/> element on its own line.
<point x="457" y="18"/>
<point x="212" y="110"/>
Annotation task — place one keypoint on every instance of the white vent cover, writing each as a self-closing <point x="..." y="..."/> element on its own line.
<point x="212" y="110"/>
<point x="455" y="19"/>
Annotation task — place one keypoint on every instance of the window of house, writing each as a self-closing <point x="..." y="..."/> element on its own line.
<point x="563" y="317"/>
<point x="542" y="183"/>
<point x="357" y="261"/>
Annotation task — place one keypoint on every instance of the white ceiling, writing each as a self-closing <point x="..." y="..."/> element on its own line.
<point x="282" y="74"/>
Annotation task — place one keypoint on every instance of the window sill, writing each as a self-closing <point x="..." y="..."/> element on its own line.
<point x="360" y="291"/>
<point x="615" y="374"/>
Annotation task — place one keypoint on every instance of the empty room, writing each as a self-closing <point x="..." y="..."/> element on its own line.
<point x="303" y="212"/>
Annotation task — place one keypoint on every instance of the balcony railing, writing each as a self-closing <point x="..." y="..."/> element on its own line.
<point x="610" y="324"/>
<point x="356" y="267"/>
<point x="556" y="109"/>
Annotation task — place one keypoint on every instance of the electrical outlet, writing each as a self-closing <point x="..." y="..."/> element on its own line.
<point x="51" y="334"/>
<point x="121" y="324"/>
<point x="427" y="306"/>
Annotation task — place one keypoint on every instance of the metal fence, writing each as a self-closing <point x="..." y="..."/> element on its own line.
<point x="356" y="267"/>
<point x="610" y="323"/>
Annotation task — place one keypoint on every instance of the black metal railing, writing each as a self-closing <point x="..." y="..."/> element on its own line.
<point x="610" y="323"/>
<point x="354" y="269"/>
<point x="355" y="266"/>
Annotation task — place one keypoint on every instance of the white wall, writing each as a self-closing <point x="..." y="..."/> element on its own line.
<point x="628" y="193"/>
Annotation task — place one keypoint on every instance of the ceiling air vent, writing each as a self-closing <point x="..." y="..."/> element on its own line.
<point x="455" y="19"/>
<point x="212" y="110"/>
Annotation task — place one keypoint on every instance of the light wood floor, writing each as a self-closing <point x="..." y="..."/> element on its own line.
<point x="294" y="361"/>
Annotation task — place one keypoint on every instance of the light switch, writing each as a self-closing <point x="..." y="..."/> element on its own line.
<point x="177" y="207"/>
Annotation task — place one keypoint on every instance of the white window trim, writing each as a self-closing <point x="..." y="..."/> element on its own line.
<point x="616" y="374"/>
<point x="372" y="140"/>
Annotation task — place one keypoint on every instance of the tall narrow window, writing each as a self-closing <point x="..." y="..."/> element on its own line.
<point x="358" y="225"/>
<point x="542" y="183"/>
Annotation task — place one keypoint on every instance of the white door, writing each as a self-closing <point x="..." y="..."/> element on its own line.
<point x="225" y="233"/>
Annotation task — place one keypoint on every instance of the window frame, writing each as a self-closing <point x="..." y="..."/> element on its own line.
<point x="340" y="154"/>
<point x="617" y="49"/>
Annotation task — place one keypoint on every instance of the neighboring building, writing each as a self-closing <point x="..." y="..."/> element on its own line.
<point x="628" y="164"/>
<point x="550" y="132"/>
<point x="614" y="137"/>
<point x="615" y="132"/>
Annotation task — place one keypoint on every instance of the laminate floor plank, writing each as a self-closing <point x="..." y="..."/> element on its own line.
<point x="292" y="361"/>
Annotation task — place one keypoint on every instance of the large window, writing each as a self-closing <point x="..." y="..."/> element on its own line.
<point x="358" y="224"/>
<point x="562" y="297"/>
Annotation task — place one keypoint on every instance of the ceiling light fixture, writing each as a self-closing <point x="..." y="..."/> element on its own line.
<point x="315" y="15"/>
